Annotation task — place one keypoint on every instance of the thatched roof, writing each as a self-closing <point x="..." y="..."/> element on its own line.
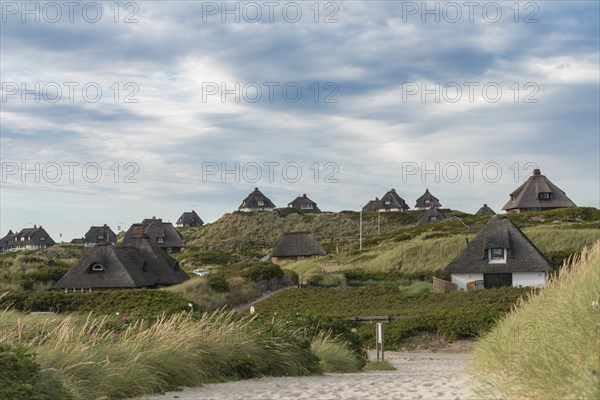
<point x="7" y="241"/>
<point x="431" y="216"/>
<point x="189" y="218"/>
<point x="427" y="200"/>
<point x="485" y="210"/>
<point x="372" y="205"/>
<point x="162" y="233"/>
<point x="256" y="201"/>
<point x="530" y="195"/>
<point x="304" y="204"/>
<point x="137" y="263"/>
<point x="33" y="236"/>
<point x="500" y="232"/>
<point x="298" y="244"/>
<point x="100" y="234"/>
<point x="392" y="200"/>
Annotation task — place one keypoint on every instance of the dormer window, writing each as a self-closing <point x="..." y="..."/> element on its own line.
<point x="100" y="237"/>
<point x="42" y="238"/>
<point x="260" y="203"/>
<point x="387" y="202"/>
<point x="160" y="240"/>
<point x="497" y="255"/>
<point x="306" y="206"/>
<point x="97" y="267"/>
<point x="544" y="196"/>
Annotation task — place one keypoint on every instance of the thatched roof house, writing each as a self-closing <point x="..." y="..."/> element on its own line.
<point x="500" y="255"/>
<point x="189" y="219"/>
<point x="392" y="202"/>
<point x="427" y="200"/>
<point x="295" y="246"/>
<point x="99" y="234"/>
<point x="485" y="210"/>
<point x="256" y="201"/>
<point x="537" y="193"/>
<point x="304" y="204"/>
<point x="137" y="263"/>
<point x="32" y="239"/>
<point x="431" y="216"/>
<point x="372" y="205"/>
<point x="7" y="242"/>
<point x="163" y="234"/>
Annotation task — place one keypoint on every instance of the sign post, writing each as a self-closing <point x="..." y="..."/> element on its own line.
<point x="379" y="340"/>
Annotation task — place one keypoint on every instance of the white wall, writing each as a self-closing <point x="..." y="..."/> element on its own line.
<point x="462" y="279"/>
<point x="529" y="278"/>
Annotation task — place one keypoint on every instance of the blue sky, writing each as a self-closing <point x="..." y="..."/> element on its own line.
<point x="110" y="114"/>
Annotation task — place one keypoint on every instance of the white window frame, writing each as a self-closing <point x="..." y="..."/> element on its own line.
<point x="497" y="260"/>
<point x="306" y="206"/>
<point x="97" y="267"/>
<point x="260" y="203"/>
<point x="160" y="239"/>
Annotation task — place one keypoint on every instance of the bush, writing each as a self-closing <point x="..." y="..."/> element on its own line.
<point x="21" y="378"/>
<point x="218" y="283"/>
<point x="262" y="272"/>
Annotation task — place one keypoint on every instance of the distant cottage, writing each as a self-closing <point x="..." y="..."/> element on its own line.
<point x="99" y="234"/>
<point x="7" y="242"/>
<point x="189" y="219"/>
<point x="500" y="255"/>
<point x="537" y="193"/>
<point x="296" y="246"/>
<point x="485" y="210"/>
<point x="304" y="205"/>
<point x="163" y="234"/>
<point x="372" y="205"/>
<point x="32" y="239"/>
<point x="256" y="201"/>
<point x="431" y="216"/>
<point x="137" y="263"/>
<point x="392" y="202"/>
<point x="427" y="200"/>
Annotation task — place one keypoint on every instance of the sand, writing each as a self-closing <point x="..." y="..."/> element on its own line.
<point x="419" y="375"/>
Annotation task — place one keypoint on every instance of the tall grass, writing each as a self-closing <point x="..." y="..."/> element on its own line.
<point x="548" y="346"/>
<point x="94" y="360"/>
<point x="334" y="355"/>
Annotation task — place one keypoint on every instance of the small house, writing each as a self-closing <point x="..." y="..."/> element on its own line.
<point x="372" y="205"/>
<point x="136" y="263"/>
<point x="392" y="202"/>
<point x="99" y="234"/>
<point x="256" y="201"/>
<point x="485" y="210"/>
<point x="163" y="234"/>
<point x="7" y="242"/>
<point x="426" y="201"/>
<point x="537" y="193"/>
<point x="500" y="255"/>
<point x="431" y="216"/>
<point x="304" y="205"/>
<point x="189" y="219"/>
<point x="296" y="246"/>
<point x="32" y="239"/>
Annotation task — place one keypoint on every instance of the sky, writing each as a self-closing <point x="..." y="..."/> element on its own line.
<point x="112" y="112"/>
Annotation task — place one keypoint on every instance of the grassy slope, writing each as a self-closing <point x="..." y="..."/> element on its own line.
<point x="548" y="347"/>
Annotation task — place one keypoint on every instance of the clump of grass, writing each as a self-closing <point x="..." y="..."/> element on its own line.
<point x="418" y="287"/>
<point x="334" y="355"/>
<point x="547" y="347"/>
<point x="382" y="365"/>
<point x="94" y="360"/>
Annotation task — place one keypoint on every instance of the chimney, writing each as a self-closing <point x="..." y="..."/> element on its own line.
<point x="138" y="230"/>
<point x="256" y="189"/>
<point x="536" y="171"/>
<point x="105" y="226"/>
<point x="34" y="226"/>
<point x="393" y="190"/>
<point x="304" y="195"/>
<point x="485" y="205"/>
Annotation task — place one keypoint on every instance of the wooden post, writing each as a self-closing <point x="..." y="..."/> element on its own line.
<point x="379" y="340"/>
<point x="360" y="235"/>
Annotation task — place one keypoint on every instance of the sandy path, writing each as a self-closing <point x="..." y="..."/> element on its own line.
<point x="418" y="376"/>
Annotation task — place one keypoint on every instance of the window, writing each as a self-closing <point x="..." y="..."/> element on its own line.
<point x="100" y="237"/>
<point x="306" y="206"/>
<point x="544" y="196"/>
<point x="42" y="238"/>
<point x="427" y="201"/>
<point x="160" y="240"/>
<point x="433" y="218"/>
<point x="78" y="290"/>
<point x="260" y="203"/>
<point x="169" y="249"/>
<point x="97" y="267"/>
<point x="497" y="255"/>
<point x="533" y="209"/>
<point x="387" y="202"/>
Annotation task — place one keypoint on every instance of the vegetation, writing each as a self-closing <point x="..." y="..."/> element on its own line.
<point x="547" y="347"/>
<point x="451" y="315"/>
<point x="382" y="365"/>
<point x="334" y="356"/>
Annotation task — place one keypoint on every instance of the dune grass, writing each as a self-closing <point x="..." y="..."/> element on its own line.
<point x="382" y="365"/>
<point x="334" y="355"/>
<point x="548" y="346"/>
<point x="117" y="358"/>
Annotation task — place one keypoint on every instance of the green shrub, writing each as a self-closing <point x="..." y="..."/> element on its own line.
<point x="21" y="377"/>
<point x="334" y="355"/>
<point x="262" y="272"/>
<point x="218" y="283"/>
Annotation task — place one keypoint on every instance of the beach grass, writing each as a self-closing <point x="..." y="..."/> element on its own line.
<point x="548" y="346"/>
